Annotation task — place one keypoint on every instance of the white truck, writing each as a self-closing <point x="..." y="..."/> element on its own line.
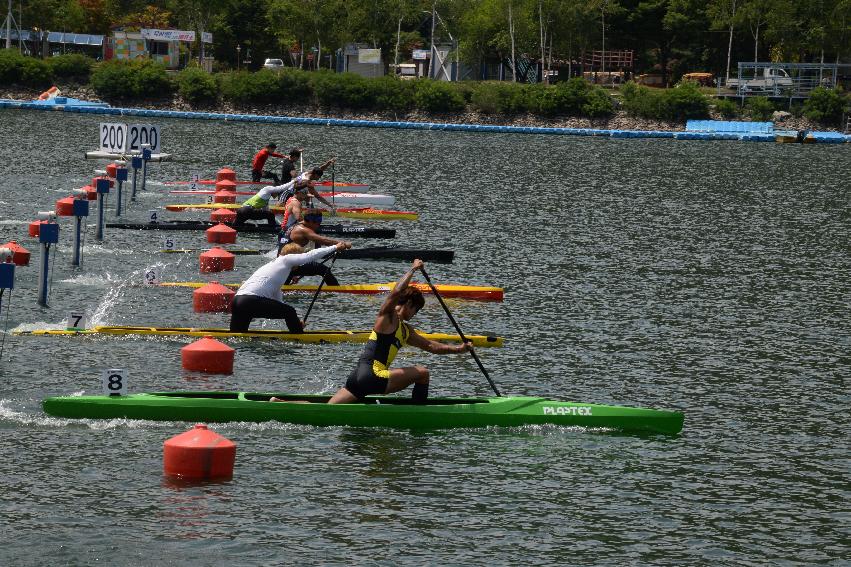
<point x="766" y="79"/>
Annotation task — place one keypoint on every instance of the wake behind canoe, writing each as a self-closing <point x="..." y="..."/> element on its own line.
<point x="376" y="411"/>
<point x="314" y="337"/>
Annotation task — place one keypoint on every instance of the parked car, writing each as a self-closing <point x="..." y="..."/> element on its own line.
<point x="273" y="64"/>
<point x="769" y="79"/>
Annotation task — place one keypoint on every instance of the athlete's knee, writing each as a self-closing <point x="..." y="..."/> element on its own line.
<point x="422" y="374"/>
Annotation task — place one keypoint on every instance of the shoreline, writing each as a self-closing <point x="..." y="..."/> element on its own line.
<point x="619" y="121"/>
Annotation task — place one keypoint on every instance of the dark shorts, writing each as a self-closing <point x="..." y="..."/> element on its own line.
<point x="246" y="308"/>
<point x="363" y="381"/>
<point x="265" y="174"/>
<point x="250" y="213"/>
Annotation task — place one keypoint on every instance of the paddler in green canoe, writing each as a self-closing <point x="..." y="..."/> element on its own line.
<point x="373" y="374"/>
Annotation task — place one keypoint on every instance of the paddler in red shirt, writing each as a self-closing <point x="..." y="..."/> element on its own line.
<point x="257" y="172"/>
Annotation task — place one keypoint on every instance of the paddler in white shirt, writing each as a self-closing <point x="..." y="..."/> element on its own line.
<point x="260" y="297"/>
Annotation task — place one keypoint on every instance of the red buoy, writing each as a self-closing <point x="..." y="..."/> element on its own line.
<point x="225" y="185"/>
<point x="212" y="298"/>
<point x="217" y="260"/>
<point x="208" y="355"/>
<point x="226" y="173"/>
<point x="199" y="454"/>
<point x="95" y="181"/>
<point x="35" y="228"/>
<point x="20" y="255"/>
<point x="221" y="234"/>
<point x="65" y="207"/>
<point x="91" y="192"/>
<point x="223" y="215"/>
<point x="224" y="197"/>
<point x="111" y="170"/>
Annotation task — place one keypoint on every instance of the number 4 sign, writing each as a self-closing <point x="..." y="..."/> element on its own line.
<point x="114" y="382"/>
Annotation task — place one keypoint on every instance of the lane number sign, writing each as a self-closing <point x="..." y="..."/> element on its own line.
<point x="114" y="382"/>
<point x="113" y="137"/>
<point x="152" y="276"/>
<point x="121" y="138"/>
<point x="139" y="134"/>
<point x="168" y="243"/>
<point x="76" y="320"/>
<point x="153" y="216"/>
<point x="193" y="185"/>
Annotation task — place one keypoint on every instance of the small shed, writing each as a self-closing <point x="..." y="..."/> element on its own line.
<point x="360" y="59"/>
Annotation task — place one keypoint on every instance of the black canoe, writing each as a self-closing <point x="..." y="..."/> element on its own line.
<point x="330" y="229"/>
<point x="375" y="253"/>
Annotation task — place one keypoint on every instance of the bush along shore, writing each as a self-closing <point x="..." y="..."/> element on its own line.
<point x="292" y="92"/>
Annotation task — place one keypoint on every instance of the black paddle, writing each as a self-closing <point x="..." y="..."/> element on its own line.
<point x="318" y="289"/>
<point x="458" y="328"/>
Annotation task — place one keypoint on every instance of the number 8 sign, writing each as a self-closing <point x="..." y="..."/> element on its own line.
<point x="114" y="382"/>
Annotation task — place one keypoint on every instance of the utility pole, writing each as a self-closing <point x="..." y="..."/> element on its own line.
<point x="431" y="52"/>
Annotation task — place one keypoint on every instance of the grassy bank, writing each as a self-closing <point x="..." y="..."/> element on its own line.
<point x="146" y="82"/>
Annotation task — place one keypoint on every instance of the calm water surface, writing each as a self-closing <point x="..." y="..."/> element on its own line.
<point x="709" y="277"/>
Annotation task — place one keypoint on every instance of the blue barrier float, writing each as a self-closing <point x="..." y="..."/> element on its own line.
<point x="695" y="129"/>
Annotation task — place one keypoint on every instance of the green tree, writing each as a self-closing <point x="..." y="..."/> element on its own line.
<point x="723" y="14"/>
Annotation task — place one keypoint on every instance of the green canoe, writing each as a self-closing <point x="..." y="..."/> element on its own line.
<point x="377" y="411"/>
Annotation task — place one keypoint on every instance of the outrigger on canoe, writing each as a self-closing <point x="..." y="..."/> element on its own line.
<point x="376" y="411"/>
<point x="349" y="213"/>
<point x="372" y="253"/>
<point x="329" y="229"/>
<point x="472" y="292"/>
<point x="316" y="337"/>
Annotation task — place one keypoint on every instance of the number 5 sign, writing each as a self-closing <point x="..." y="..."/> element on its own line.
<point x="114" y="382"/>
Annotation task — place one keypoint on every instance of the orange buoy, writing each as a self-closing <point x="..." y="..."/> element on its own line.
<point x="221" y="234"/>
<point x="95" y="181"/>
<point x="225" y="185"/>
<point x="65" y="207"/>
<point x="20" y="255"/>
<point x="226" y="173"/>
<point x="223" y="215"/>
<point x="217" y="260"/>
<point x="208" y="355"/>
<point x="111" y="170"/>
<point x="91" y="192"/>
<point x="212" y="298"/>
<point x="199" y="454"/>
<point x="224" y="197"/>
<point x="35" y="228"/>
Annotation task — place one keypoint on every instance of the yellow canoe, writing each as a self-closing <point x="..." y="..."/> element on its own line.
<point x="317" y="337"/>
